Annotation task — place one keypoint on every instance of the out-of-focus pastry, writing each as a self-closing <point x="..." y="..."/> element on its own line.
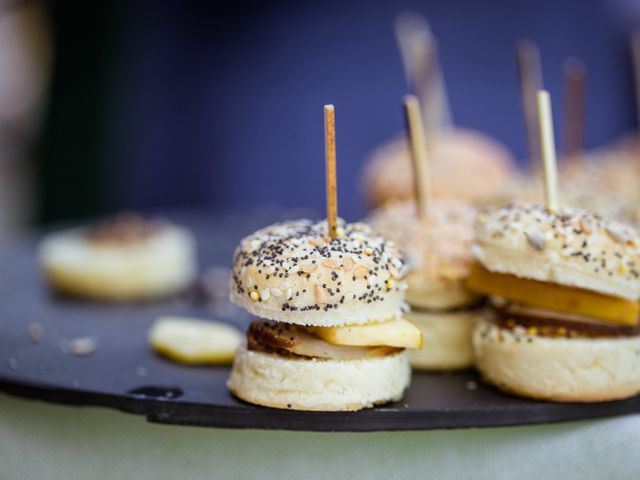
<point x="438" y="253"/>
<point x="124" y="258"/>
<point x="465" y="166"/>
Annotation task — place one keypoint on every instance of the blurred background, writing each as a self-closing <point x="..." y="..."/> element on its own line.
<point x="163" y="104"/>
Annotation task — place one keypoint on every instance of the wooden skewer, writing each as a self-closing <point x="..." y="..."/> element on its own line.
<point x="575" y="80"/>
<point x="418" y="154"/>
<point x="530" y="75"/>
<point x="635" y="58"/>
<point x="547" y="148"/>
<point x="419" y="52"/>
<point x="405" y="25"/>
<point x="330" y="156"/>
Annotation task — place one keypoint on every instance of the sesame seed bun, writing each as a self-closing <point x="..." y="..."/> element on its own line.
<point x="292" y="272"/>
<point x="465" y="166"/>
<point x="569" y="247"/>
<point x="160" y="264"/>
<point x="311" y="384"/>
<point x="447" y="339"/>
<point x="438" y="251"/>
<point x="557" y="369"/>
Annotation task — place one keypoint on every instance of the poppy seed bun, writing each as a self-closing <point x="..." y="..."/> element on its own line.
<point x="557" y="369"/>
<point x="465" y="166"/>
<point x="437" y="250"/>
<point x="158" y="264"/>
<point x="447" y="344"/>
<point x="312" y="384"/>
<point x="292" y="272"/>
<point x="569" y="247"/>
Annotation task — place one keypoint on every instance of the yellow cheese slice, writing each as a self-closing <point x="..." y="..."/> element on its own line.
<point x="608" y="309"/>
<point x="194" y="342"/>
<point x="393" y="333"/>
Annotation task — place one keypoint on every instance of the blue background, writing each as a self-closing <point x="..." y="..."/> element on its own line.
<point x="221" y="105"/>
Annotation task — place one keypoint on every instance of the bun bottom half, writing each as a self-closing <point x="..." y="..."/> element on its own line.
<point x="447" y="339"/>
<point x="323" y="385"/>
<point x="558" y="369"/>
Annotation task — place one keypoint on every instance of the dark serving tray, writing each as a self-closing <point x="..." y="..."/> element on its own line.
<point x="123" y="373"/>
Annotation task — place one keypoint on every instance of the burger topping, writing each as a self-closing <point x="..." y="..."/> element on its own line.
<point x="558" y="298"/>
<point x="393" y="333"/>
<point x="553" y="324"/>
<point x="287" y="339"/>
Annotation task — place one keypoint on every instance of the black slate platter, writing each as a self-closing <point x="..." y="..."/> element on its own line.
<point x="123" y="373"/>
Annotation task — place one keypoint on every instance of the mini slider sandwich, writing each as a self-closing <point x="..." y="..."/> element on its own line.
<point x="435" y="237"/>
<point x="438" y="252"/>
<point x="123" y="258"/>
<point x="565" y="285"/>
<point x="328" y="297"/>
<point x="330" y="334"/>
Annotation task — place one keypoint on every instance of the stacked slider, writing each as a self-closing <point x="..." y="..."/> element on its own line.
<point x="565" y="287"/>
<point x="329" y="297"/>
<point x="438" y="251"/>
<point x="565" y="284"/>
<point x="330" y="335"/>
<point x="436" y="237"/>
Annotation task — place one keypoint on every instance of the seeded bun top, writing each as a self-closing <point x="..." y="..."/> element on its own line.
<point x="570" y="247"/>
<point x="437" y="250"/>
<point x="293" y="272"/>
<point x="465" y="166"/>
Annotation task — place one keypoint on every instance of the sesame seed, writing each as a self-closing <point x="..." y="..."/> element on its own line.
<point x="309" y="267"/>
<point x="347" y="264"/>
<point x="330" y="263"/>
<point x="360" y="272"/>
